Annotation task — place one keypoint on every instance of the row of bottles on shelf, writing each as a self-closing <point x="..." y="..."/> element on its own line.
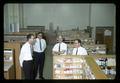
<point x="90" y="51"/>
<point x="107" y="65"/>
<point x="95" y="49"/>
<point x="72" y="68"/>
<point x="8" y="55"/>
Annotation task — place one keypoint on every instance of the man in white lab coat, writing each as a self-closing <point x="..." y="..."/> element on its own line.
<point x="60" y="48"/>
<point x="25" y="58"/>
<point x="39" y="55"/>
<point x="78" y="49"/>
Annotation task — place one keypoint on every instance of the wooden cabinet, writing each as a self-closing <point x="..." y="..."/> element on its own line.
<point x="68" y="68"/>
<point x="104" y="35"/>
<point x="95" y="68"/>
<point x="9" y="71"/>
<point x="108" y="66"/>
<point x="9" y="66"/>
<point x="16" y="46"/>
<point x="76" y="67"/>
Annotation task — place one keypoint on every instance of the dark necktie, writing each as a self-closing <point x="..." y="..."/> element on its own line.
<point x="40" y="45"/>
<point x="76" y="51"/>
<point x="59" y="47"/>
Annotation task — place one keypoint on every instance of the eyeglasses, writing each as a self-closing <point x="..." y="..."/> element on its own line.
<point x="75" y="43"/>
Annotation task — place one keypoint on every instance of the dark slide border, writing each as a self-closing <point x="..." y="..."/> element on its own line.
<point x="3" y="2"/>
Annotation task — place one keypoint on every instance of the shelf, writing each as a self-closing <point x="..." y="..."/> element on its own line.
<point x="95" y="68"/>
<point x="16" y="46"/>
<point x="111" y="76"/>
<point x="68" y="74"/>
<point x="66" y="68"/>
<point x="9" y="71"/>
<point x="8" y="55"/>
<point x="7" y="66"/>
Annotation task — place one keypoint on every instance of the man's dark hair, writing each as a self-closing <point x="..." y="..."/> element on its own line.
<point x="40" y="33"/>
<point x="29" y="36"/>
<point x="79" y="41"/>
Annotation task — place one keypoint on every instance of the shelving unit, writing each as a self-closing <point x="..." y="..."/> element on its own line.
<point x="109" y="69"/>
<point x="9" y="72"/>
<point x="16" y="46"/>
<point x="71" y="67"/>
<point x="94" y="49"/>
<point x="8" y="55"/>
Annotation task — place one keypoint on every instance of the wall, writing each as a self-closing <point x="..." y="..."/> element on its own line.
<point x="66" y="16"/>
<point x="102" y="15"/>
